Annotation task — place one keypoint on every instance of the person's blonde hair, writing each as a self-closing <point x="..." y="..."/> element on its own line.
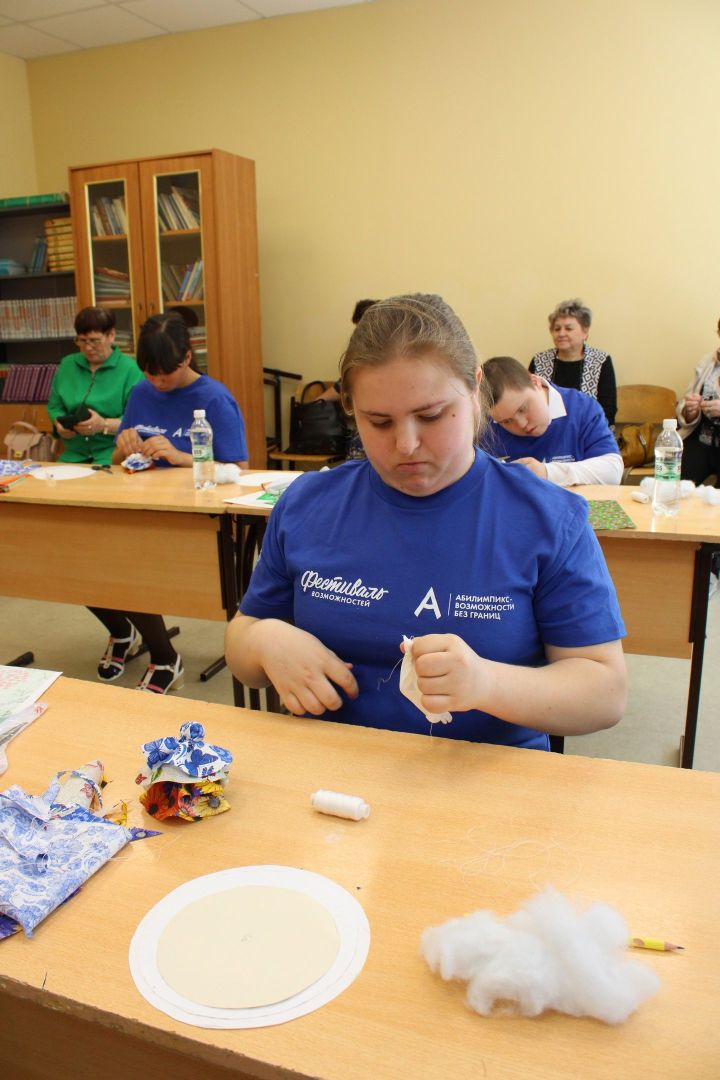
<point x="408" y="326"/>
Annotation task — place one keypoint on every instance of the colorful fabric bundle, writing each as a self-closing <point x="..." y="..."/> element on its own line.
<point x="185" y="777"/>
<point x="51" y="844"/>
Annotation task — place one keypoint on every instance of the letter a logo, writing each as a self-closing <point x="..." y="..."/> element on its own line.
<point x="428" y="603"/>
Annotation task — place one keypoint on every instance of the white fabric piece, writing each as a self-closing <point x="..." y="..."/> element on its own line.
<point x="547" y="955"/>
<point x="227" y="473"/>
<point x="409" y="685"/>
<point x="688" y="490"/>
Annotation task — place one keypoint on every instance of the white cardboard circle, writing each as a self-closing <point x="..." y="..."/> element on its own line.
<point x="61" y="472"/>
<point x="350" y="919"/>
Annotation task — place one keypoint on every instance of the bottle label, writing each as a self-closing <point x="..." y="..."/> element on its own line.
<point x="667" y="470"/>
<point x="202" y="453"/>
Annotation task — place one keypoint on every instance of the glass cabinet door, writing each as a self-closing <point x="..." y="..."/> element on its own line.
<point x="108" y="241"/>
<point x="175" y="268"/>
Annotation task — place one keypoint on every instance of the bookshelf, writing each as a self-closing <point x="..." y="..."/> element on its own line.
<point x="178" y="232"/>
<point x="37" y="306"/>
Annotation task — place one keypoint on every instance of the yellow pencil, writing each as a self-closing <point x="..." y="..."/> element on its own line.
<point x="655" y="943"/>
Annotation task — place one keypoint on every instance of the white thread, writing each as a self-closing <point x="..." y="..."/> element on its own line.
<point x="345" y="806"/>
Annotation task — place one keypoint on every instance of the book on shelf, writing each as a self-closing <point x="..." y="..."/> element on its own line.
<point x="194" y="286"/>
<point x="172" y="277"/>
<point x="34" y="200"/>
<point x="168" y="217"/>
<point x="185" y="279"/>
<point x="28" y="382"/>
<point x="111" y="284"/>
<point x="119" y="208"/>
<point x="58" y="224"/>
<point x="178" y="209"/>
<point x="124" y="340"/>
<point x="187" y="204"/>
<point x="45" y="317"/>
<point x="108" y="216"/>
<point x="11" y="267"/>
<point x="38" y="258"/>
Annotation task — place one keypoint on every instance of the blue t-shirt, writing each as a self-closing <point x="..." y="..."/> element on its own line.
<point x="170" y="413"/>
<point x="582" y="433"/>
<point x="504" y="560"/>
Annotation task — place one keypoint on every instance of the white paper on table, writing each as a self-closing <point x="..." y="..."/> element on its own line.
<point x="14" y="724"/>
<point x="61" y="472"/>
<point x="256" y="498"/>
<point x="257" y="479"/>
<point x="348" y="914"/>
<point x="21" y="687"/>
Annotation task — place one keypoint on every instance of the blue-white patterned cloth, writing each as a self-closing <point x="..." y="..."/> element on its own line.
<point x="47" y="851"/>
<point x="16" y="468"/>
<point x="189" y="754"/>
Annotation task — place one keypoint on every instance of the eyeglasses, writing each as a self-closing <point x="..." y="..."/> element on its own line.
<point x="89" y="342"/>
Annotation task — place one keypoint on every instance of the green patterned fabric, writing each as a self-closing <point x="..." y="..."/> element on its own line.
<point x="609" y="514"/>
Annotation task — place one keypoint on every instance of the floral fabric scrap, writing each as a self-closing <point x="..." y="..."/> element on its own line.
<point x="49" y="845"/>
<point x="185" y="777"/>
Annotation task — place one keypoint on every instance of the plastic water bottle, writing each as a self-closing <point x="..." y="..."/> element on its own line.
<point x="201" y="438"/>
<point x="668" y="455"/>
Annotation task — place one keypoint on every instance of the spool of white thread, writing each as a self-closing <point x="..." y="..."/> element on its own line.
<point x="345" y="806"/>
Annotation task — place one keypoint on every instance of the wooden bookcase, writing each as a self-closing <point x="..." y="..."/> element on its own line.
<point x="167" y="232"/>
<point x="20" y="226"/>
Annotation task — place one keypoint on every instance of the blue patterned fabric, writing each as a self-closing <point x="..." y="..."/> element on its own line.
<point x="48" y="851"/>
<point x="189" y="753"/>
<point x="16" y="468"/>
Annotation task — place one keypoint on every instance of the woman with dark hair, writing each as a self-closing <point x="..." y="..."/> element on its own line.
<point x="160" y="410"/>
<point x="156" y="422"/>
<point x="573" y="363"/>
<point x="91" y="388"/>
<point x="496" y="575"/>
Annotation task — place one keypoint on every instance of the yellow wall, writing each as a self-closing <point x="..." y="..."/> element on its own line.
<point x="17" y="152"/>
<point x="505" y="154"/>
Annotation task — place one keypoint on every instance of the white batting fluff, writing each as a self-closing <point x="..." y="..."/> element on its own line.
<point x="548" y="955"/>
<point x="409" y="685"/>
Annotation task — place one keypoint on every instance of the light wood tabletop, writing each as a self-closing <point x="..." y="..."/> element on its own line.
<point x="453" y="827"/>
<point x="138" y="542"/>
<point x="154" y="489"/>
<point x="696" y="519"/>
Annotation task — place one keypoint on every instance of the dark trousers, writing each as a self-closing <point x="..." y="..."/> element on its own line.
<point x="699" y="460"/>
<point x="151" y="627"/>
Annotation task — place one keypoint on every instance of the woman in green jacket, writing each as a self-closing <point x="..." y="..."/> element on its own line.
<point x="91" y="388"/>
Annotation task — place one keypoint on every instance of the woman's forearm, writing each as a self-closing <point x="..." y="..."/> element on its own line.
<point x="243" y="651"/>
<point x="574" y="695"/>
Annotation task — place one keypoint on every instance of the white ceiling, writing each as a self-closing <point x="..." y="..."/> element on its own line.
<point x="34" y="28"/>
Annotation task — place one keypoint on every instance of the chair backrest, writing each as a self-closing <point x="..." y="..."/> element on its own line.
<point x="314" y="389"/>
<point x="638" y="402"/>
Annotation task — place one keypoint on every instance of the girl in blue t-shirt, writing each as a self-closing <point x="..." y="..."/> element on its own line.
<point x="156" y="420"/>
<point x="494" y="573"/>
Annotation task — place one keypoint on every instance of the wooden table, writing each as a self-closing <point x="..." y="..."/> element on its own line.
<point x="140" y="542"/>
<point x="661" y="571"/>
<point x="453" y="827"/>
<point x="136" y="542"/>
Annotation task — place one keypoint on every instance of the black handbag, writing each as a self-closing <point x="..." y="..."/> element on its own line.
<point x="318" y="427"/>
